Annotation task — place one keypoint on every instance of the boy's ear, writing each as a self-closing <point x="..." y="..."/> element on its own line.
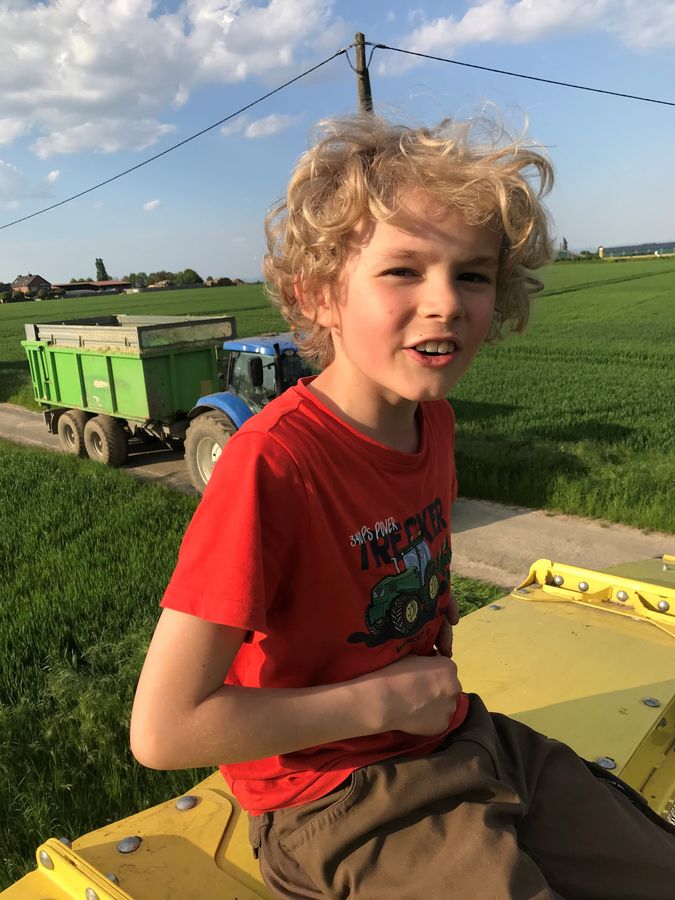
<point x="316" y="302"/>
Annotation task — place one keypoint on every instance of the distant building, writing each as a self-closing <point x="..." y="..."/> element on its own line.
<point x="24" y="284"/>
<point x="112" y="285"/>
<point x="637" y="250"/>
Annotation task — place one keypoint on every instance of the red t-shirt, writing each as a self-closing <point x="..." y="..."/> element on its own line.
<point x="334" y="551"/>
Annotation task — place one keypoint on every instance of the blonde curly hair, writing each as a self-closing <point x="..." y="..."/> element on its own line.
<point x="360" y="166"/>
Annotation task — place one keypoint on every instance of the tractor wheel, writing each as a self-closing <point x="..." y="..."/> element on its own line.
<point x="204" y="441"/>
<point x="70" y="428"/>
<point x="106" y="441"/>
<point x="431" y="586"/>
<point x="404" y="613"/>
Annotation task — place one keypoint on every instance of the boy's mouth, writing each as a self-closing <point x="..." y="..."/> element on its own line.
<point x="436" y="348"/>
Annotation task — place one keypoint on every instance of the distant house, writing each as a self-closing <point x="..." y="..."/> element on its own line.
<point x="25" y="284"/>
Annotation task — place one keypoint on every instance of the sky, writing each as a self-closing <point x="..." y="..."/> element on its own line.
<point x="89" y="88"/>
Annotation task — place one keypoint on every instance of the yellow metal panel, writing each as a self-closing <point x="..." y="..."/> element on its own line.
<point x="569" y="671"/>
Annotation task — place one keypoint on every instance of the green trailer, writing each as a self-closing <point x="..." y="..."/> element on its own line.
<point x="103" y="380"/>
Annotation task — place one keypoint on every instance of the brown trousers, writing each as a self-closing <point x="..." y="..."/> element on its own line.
<point x="499" y="812"/>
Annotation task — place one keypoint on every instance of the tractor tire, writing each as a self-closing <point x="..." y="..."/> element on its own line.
<point x="404" y="613"/>
<point x="204" y="441"/>
<point x="70" y="428"/>
<point x="106" y="441"/>
<point x="432" y="586"/>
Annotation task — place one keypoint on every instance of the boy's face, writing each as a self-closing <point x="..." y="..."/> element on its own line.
<point x="413" y="305"/>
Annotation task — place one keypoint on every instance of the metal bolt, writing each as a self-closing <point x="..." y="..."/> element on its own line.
<point x="112" y="877"/>
<point x="66" y="841"/>
<point x="583" y="586"/>
<point x="495" y="606"/>
<point x="558" y="580"/>
<point x="652" y="701"/>
<point x="46" y="859"/>
<point x="606" y="762"/>
<point x="185" y="803"/>
<point x="622" y="596"/>
<point x="91" y="894"/>
<point x="663" y="606"/>
<point x="129" y="844"/>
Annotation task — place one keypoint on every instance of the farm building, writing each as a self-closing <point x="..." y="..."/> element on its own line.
<point x="638" y="250"/>
<point x="24" y="284"/>
<point x="93" y="287"/>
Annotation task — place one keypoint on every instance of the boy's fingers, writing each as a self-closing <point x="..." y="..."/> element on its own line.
<point x="444" y="638"/>
<point x="452" y="612"/>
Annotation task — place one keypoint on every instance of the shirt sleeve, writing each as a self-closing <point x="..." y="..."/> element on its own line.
<point x="239" y="546"/>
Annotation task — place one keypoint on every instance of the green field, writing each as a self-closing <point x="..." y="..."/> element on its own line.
<point x="86" y="553"/>
<point x="575" y="416"/>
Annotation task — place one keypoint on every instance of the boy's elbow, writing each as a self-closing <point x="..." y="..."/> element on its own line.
<point x="149" y="747"/>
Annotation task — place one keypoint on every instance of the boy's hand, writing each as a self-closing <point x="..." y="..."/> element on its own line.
<point x="444" y="636"/>
<point x="419" y="694"/>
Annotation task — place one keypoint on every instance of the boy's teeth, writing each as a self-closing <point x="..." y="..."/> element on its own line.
<point x="436" y="347"/>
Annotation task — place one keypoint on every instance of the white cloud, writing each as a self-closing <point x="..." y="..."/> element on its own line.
<point x="12" y="184"/>
<point x="108" y="136"/>
<point x="641" y="24"/>
<point x="150" y="205"/>
<point x="271" y="124"/>
<point x="10" y="129"/>
<point x="101" y="75"/>
<point x="260" y="128"/>
<point x="53" y="175"/>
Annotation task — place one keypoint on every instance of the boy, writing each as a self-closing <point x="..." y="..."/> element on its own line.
<point x="306" y="639"/>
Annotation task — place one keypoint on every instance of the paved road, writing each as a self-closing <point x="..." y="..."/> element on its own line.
<point x="490" y="541"/>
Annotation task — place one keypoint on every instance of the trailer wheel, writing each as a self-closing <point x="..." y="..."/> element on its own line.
<point x="404" y="613"/>
<point x="105" y="441"/>
<point x="70" y="428"/>
<point x="204" y="441"/>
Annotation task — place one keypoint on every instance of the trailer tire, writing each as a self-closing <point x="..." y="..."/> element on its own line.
<point x="204" y="441"/>
<point x="70" y="429"/>
<point x="105" y="441"/>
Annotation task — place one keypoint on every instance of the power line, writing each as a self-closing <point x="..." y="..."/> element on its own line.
<point x="179" y="144"/>
<point x="579" y="87"/>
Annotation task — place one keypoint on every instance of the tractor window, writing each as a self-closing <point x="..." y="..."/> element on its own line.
<point x="410" y="559"/>
<point x="241" y="380"/>
<point x="294" y="367"/>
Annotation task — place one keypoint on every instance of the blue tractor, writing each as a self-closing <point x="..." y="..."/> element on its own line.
<point x="255" y="371"/>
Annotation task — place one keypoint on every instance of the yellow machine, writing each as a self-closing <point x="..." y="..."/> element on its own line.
<point x="583" y="656"/>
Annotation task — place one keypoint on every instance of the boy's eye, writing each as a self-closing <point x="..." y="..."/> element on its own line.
<point x="476" y="277"/>
<point x="400" y="271"/>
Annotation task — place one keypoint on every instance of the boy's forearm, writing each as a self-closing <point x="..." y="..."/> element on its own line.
<point x="237" y="724"/>
<point x="416" y="694"/>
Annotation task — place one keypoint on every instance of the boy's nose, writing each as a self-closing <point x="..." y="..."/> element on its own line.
<point x="441" y="300"/>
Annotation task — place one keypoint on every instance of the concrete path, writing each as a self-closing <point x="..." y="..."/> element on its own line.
<point x="490" y="541"/>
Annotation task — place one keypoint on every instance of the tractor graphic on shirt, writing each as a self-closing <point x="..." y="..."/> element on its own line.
<point x="401" y="603"/>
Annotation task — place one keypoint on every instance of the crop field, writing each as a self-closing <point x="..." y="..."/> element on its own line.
<point x="86" y="553"/>
<point x="575" y="416"/>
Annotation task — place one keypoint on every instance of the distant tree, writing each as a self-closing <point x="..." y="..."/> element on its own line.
<point x="101" y="274"/>
<point x="136" y="279"/>
<point x="44" y="294"/>
<point x="563" y="246"/>
<point x="6" y="297"/>
<point x="154" y="277"/>
<point x="189" y="276"/>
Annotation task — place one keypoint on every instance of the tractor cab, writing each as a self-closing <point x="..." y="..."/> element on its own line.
<point x="261" y="368"/>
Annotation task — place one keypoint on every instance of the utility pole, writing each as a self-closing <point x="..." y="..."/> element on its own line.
<point x="362" y="76"/>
